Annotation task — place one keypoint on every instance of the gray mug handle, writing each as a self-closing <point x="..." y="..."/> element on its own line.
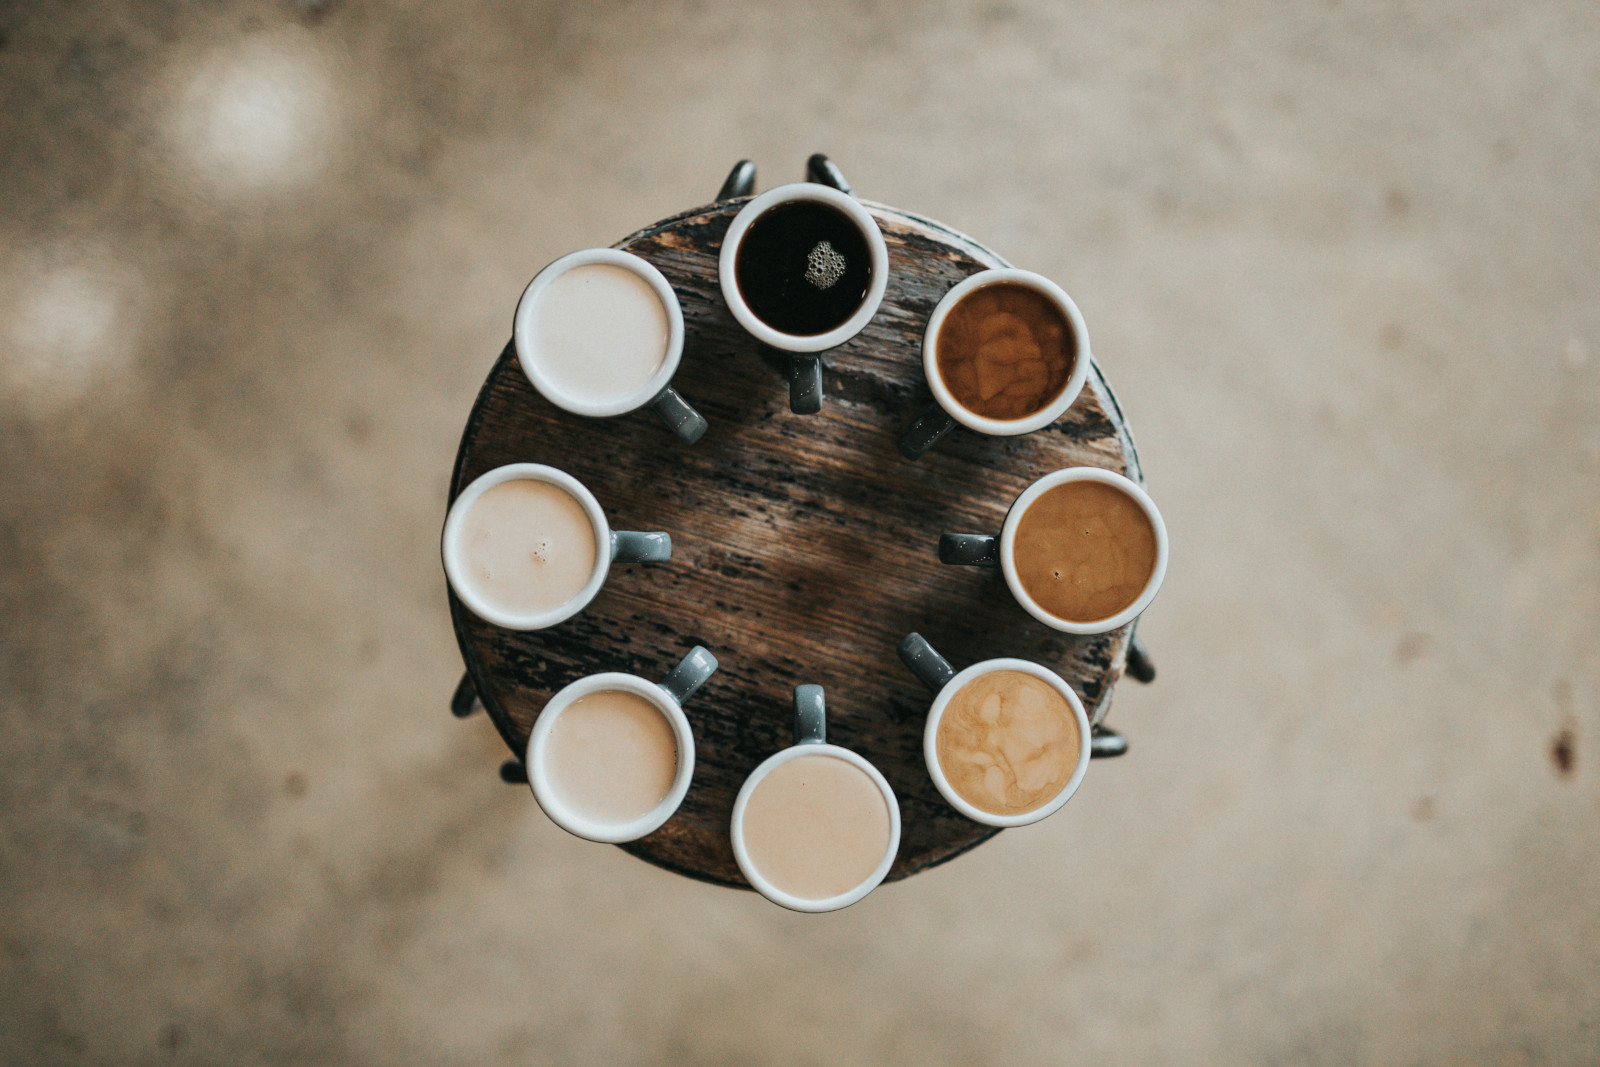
<point x="969" y="550"/>
<point x="932" y="669"/>
<point x="805" y="383"/>
<point x="926" y="432"/>
<point x="810" y="715"/>
<point x="628" y="546"/>
<point x="679" y="415"/>
<point x="690" y="674"/>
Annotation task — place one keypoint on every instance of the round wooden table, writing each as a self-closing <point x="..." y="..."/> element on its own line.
<point x="804" y="546"/>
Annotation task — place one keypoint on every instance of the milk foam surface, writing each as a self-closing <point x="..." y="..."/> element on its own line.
<point x="816" y="826"/>
<point x="1008" y="742"/>
<point x="526" y="546"/>
<point x="611" y="756"/>
<point x="599" y="333"/>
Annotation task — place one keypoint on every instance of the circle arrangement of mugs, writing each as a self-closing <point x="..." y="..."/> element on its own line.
<point x="1005" y="352"/>
<point x="803" y="269"/>
<point x="1007" y="741"/>
<point x="611" y="755"/>
<point x="1083" y="550"/>
<point x="526" y="546"/>
<point x="600" y="333"/>
<point x="815" y="827"/>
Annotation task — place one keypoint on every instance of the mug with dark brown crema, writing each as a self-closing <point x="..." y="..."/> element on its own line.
<point x="1007" y="741"/>
<point x="1005" y="352"/>
<point x="1083" y="550"/>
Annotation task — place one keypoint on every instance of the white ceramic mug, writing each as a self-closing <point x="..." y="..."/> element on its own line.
<point x="945" y="682"/>
<point x="667" y="698"/>
<point x="611" y="546"/>
<point x="947" y="411"/>
<point x="676" y="412"/>
<point x="810" y="739"/>
<point x="805" y="367"/>
<point x="983" y="550"/>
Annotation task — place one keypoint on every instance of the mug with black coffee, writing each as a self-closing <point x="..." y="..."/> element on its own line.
<point x="1005" y="352"/>
<point x="815" y="827"/>
<point x="1083" y="550"/>
<point x="803" y="268"/>
<point x="1006" y="741"/>
<point x="611" y="755"/>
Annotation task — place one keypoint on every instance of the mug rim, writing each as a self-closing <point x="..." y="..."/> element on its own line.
<point x="522" y="326"/>
<point x="549" y="798"/>
<point x="807" y="904"/>
<point x="1044" y="416"/>
<point x="449" y="546"/>
<point x="1008" y="537"/>
<point x="930" y="746"/>
<point x="727" y="263"/>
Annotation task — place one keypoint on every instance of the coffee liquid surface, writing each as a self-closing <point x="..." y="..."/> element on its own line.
<point x="1005" y="351"/>
<point x="803" y="268"/>
<point x="1008" y="742"/>
<point x="611" y="756"/>
<point x="527" y="546"/>
<point x="817" y="826"/>
<point x="599" y="333"/>
<point x="1084" y="551"/>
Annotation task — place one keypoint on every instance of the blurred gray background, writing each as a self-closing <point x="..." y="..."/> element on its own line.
<point x="1338" y="260"/>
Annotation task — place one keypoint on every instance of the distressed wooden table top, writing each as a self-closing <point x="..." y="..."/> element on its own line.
<point x="804" y="546"/>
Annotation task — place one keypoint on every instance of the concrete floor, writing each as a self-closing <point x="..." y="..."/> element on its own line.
<point x="1338" y="259"/>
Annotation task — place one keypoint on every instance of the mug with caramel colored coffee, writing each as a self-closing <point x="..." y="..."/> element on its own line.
<point x="611" y="756"/>
<point x="1005" y="353"/>
<point x="816" y="827"/>
<point x="1007" y="740"/>
<point x="1083" y="550"/>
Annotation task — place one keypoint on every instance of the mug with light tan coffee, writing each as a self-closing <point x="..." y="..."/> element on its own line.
<point x="526" y="546"/>
<point x="611" y="756"/>
<point x="1007" y="740"/>
<point x="1083" y="550"/>
<point x="815" y="827"/>
<point x="1005" y="352"/>
<point x="600" y="332"/>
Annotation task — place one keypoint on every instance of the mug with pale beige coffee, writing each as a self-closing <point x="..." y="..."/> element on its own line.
<point x="526" y="546"/>
<point x="611" y="756"/>
<point x="1007" y="740"/>
<point x="815" y="827"/>
<point x="600" y="332"/>
<point x="1083" y="550"/>
<point x="1005" y="352"/>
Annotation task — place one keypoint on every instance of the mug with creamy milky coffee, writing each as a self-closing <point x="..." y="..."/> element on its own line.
<point x="526" y="546"/>
<point x="815" y="827"/>
<point x="600" y="332"/>
<point x="1005" y="352"/>
<point x="1083" y="550"/>
<point x="611" y="755"/>
<point x="1007" y="740"/>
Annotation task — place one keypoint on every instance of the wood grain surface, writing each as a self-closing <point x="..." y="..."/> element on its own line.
<point x="804" y="546"/>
